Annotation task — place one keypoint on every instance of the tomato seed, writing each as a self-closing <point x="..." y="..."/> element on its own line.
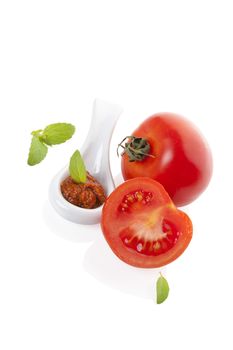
<point x="124" y="205"/>
<point x="157" y="245"/>
<point x="139" y="247"/>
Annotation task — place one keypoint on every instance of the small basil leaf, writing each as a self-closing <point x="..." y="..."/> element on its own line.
<point x="77" y="168"/>
<point x="162" y="289"/>
<point x="37" y="151"/>
<point x="55" y="134"/>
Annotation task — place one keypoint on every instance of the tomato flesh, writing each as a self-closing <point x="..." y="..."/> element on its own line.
<point x="155" y="246"/>
<point x="142" y="225"/>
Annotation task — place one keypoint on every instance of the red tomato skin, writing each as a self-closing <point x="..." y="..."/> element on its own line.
<point x="183" y="160"/>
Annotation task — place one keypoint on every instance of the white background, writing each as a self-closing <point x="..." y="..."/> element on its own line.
<point x="60" y="285"/>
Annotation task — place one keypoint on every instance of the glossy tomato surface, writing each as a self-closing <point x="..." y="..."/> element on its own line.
<point x="142" y="225"/>
<point x="182" y="162"/>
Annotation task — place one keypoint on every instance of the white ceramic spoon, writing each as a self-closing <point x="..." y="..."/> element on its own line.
<point x="95" y="153"/>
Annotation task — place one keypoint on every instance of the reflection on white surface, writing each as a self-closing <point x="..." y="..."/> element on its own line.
<point x="103" y="265"/>
<point x="118" y="179"/>
<point x="67" y="229"/>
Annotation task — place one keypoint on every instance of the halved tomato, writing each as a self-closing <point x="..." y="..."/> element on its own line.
<point x="142" y="225"/>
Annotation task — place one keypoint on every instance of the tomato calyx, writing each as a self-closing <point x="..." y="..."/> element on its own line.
<point x="137" y="148"/>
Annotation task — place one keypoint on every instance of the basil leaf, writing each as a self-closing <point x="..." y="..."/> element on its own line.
<point x="77" y="168"/>
<point x="55" y="134"/>
<point x="162" y="289"/>
<point x="37" y="151"/>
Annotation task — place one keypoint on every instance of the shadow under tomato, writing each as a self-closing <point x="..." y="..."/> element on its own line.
<point x="102" y="264"/>
<point x="68" y="230"/>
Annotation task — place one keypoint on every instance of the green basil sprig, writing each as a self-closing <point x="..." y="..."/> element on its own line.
<point x="53" y="134"/>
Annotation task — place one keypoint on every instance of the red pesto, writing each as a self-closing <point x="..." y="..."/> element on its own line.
<point x="89" y="195"/>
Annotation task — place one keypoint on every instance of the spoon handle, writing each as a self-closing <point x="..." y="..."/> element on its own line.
<point x="95" y="149"/>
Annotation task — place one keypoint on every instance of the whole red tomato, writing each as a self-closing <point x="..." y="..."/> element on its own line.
<point x="171" y="150"/>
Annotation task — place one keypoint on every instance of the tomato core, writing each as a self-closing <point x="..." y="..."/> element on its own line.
<point x="151" y="236"/>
